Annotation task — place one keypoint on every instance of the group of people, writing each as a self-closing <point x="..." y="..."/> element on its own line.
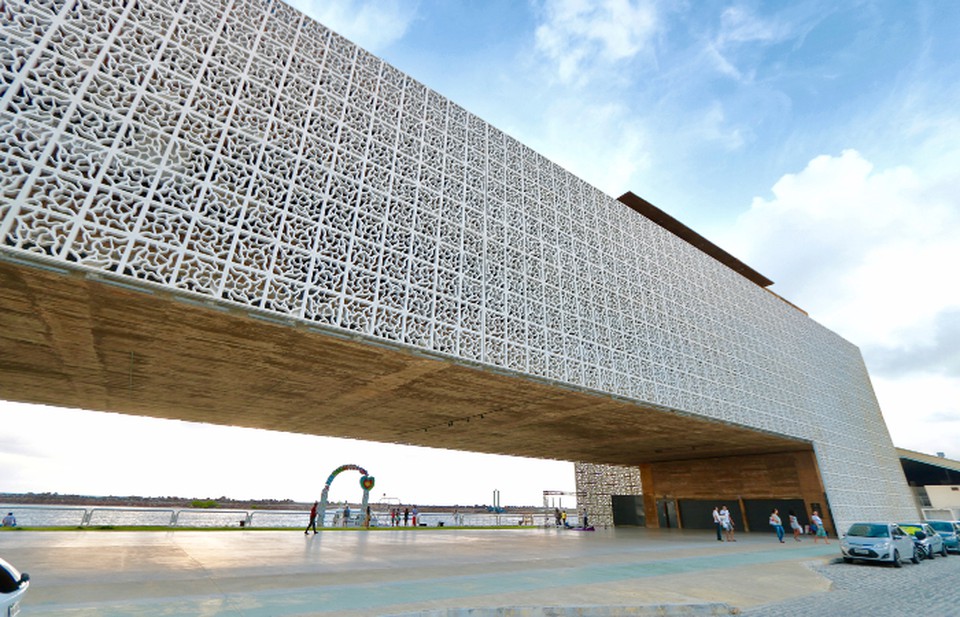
<point x="725" y="527"/>
<point x="338" y="519"/>
<point x="560" y="518"/>
<point x="406" y="515"/>
<point x="816" y="526"/>
<point x="396" y="516"/>
<point x="724" y="524"/>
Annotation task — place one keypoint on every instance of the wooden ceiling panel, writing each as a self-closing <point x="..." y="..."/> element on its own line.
<point x="70" y="341"/>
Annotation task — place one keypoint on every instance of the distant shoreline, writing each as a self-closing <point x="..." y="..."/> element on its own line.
<point x="134" y="501"/>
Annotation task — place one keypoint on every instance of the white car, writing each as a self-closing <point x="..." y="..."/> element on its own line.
<point x="884" y="542"/>
<point x="12" y="587"/>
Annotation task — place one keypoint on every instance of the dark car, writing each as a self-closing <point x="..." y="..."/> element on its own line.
<point x="950" y="532"/>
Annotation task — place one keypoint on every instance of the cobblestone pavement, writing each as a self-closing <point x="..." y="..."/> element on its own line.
<point x="930" y="589"/>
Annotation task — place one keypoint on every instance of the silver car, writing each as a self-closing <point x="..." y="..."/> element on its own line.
<point x="12" y="587"/>
<point x="884" y="542"/>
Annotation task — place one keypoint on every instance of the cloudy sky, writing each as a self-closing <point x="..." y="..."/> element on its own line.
<point x="817" y="141"/>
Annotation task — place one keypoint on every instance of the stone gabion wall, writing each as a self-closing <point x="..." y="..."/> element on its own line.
<point x="238" y="152"/>
<point x="597" y="483"/>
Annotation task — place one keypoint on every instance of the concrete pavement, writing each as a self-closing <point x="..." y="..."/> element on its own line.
<point x="405" y="571"/>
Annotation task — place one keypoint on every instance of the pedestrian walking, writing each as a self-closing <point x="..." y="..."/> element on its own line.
<point x="366" y="519"/>
<point x="795" y="526"/>
<point x="313" y="519"/>
<point x="413" y="515"/>
<point x="777" y="524"/>
<point x="817" y="528"/>
<point x="726" y="521"/>
<point x="406" y="516"/>
<point x="718" y="523"/>
<point x="556" y="516"/>
<point x="346" y="514"/>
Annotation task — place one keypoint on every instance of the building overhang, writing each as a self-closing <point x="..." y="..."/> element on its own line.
<point x="73" y="340"/>
<point x="923" y="466"/>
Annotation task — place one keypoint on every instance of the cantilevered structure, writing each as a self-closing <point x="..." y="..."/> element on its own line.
<point x="221" y="211"/>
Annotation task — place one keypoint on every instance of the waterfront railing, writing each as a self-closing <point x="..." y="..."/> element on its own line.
<point x="34" y="515"/>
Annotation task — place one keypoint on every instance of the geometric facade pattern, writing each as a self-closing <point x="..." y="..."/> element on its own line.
<point x="238" y="152"/>
<point x="597" y="483"/>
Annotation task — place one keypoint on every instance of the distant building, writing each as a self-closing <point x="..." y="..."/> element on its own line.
<point x="935" y="481"/>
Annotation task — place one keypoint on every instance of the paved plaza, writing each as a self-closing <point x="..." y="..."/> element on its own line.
<point x="461" y="572"/>
<point x="406" y="571"/>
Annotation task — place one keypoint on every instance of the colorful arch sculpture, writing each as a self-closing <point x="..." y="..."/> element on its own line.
<point x="366" y="483"/>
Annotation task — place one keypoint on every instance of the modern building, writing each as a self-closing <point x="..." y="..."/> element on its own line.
<point x="935" y="482"/>
<point x="221" y="211"/>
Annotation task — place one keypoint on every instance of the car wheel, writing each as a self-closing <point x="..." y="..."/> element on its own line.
<point x="930" y="553"/>
<point x="896" y="559"/>
<point x="943" y="550"/>
<point x="917" y="554"/>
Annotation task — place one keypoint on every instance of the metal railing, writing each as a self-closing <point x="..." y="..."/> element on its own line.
<point x="33" y="515"/>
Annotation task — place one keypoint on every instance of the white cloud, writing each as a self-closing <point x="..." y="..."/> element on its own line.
<point x="577" y="35"/>
<point x="872" y="254"/>
<point x="865" y="251"/>
<point x="921" y="412"/>
<point x="599" y="142"/>
<point x="737" y="30"/>
<point x="372" y="24"/>
<point x="737" y="25"/>
<point x="713" y="126"/>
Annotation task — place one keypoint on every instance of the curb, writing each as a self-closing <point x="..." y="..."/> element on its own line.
<point x="651" y="610"/>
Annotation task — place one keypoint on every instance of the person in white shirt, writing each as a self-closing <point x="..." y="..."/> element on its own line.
<point x="727" y="522"/>
<point x="777" y="524"/>
<point x="819" y="532"/>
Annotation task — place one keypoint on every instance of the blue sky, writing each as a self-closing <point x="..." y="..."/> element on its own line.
<point x="817" y="141"/>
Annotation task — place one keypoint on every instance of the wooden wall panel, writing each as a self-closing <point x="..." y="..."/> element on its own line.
<point x="783" y="475"/>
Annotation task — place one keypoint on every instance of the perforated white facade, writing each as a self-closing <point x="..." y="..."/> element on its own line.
<point x="239" y="152"/>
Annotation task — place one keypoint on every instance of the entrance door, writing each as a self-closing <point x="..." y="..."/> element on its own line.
<point x="628" y="510"/>
<point x="667" y="513"/>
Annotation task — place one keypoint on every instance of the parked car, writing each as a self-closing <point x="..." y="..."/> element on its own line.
<point x="13" y="585"/>
<point x="926" y="538"/>
<point x="950" y="532"/>
<point x="884" y="542"/>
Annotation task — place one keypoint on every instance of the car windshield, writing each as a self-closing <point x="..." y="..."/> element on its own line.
<point x="864" y="530"/>
<point x="8" y="582"/>
<point x="911" y="529"/>
<point x="942" y="526"/>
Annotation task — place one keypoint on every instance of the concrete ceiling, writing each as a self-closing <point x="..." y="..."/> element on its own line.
<point x="72" y="341"/>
